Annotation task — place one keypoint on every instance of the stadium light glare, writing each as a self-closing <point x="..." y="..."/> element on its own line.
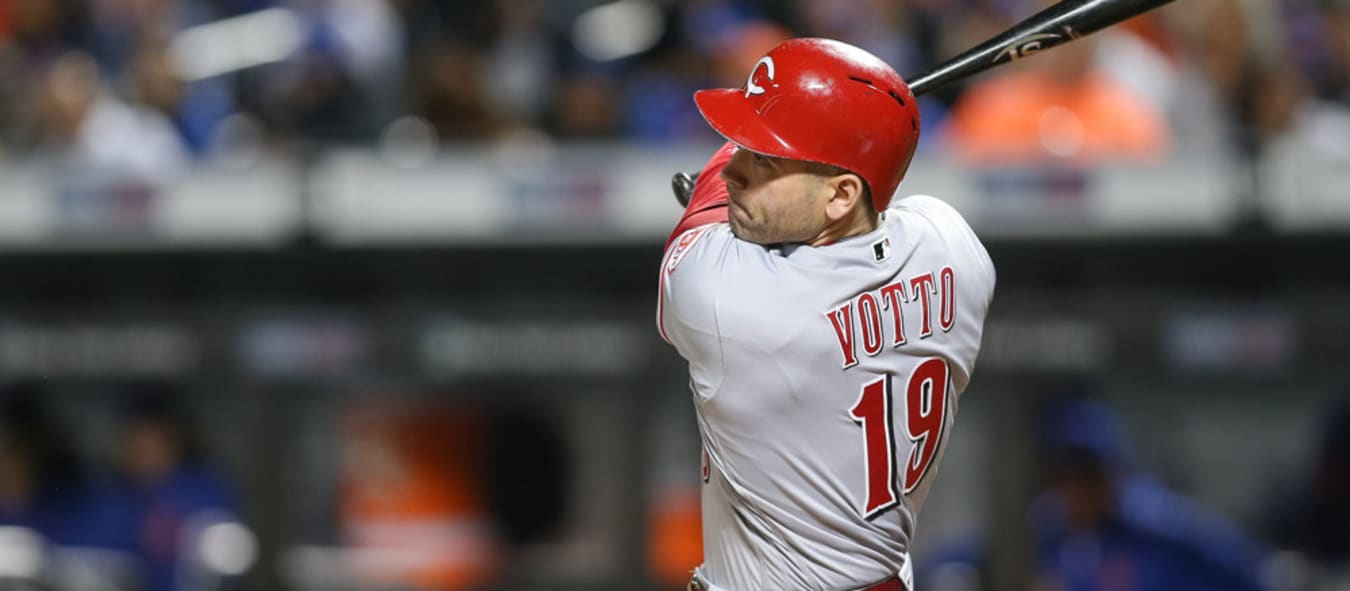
<point x="618" y="30"/>
<point x="227" y="548"/>
<point x="236" y="43"/>
<point x="21" y="553"/>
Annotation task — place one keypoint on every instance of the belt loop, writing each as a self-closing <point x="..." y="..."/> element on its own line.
<point x="695" y="584"/>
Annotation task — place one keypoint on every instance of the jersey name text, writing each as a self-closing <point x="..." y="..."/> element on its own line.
<point x="870" y="311"/>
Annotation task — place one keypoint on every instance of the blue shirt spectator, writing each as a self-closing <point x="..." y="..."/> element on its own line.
<point x="1101" y="525"/>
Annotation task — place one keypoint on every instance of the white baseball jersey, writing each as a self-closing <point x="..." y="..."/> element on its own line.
<point x="825" y="381"/>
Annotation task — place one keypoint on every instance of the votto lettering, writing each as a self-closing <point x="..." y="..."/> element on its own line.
<point x="874" y="320"/>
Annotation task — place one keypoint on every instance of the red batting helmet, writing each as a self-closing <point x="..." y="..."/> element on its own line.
<point x="822" y="101"/>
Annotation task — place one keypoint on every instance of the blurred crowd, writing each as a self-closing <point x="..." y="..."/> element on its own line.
<point x="143" y="88"/>
<point x="129" y="492"/>
<point x="435" y="496"/>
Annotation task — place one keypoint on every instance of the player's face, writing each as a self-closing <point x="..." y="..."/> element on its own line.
<point x="774" y="200"/>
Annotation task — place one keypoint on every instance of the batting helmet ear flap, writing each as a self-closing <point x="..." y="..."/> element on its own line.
<point x="823" y="101"/>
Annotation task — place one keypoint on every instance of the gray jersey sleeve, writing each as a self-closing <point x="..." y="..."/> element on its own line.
<point x="687" y="310"/>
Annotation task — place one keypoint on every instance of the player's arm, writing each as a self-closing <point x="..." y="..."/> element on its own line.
<point x="708" y="199"/>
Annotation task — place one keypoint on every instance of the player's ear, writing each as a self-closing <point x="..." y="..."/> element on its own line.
<point x="846" y="191"/>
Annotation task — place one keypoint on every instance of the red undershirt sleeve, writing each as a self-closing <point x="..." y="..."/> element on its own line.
<point x="708" y="205"/>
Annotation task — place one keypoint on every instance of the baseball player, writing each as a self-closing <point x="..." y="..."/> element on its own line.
<point x="829" y="332"/>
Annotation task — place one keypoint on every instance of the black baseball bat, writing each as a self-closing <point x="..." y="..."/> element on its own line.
<point x="1059" y="24"/>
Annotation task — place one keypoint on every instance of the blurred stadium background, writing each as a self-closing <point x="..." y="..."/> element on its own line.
<point x="359" y="294"/>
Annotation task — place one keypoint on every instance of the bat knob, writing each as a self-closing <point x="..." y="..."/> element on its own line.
<point x="682" y="184"/>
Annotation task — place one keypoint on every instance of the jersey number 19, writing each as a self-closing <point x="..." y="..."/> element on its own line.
<point x="925" y="399"/>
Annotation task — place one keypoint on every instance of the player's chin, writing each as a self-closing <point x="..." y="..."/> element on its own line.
<point x="736" y="229"/>
<point x="740" y="231"/>
<point x="743" y="226"/>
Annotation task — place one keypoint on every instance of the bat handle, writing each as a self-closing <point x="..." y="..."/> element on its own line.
<point x="682" y="184"/>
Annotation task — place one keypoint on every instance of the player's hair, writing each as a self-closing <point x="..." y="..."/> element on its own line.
<point x="823" y="169"/>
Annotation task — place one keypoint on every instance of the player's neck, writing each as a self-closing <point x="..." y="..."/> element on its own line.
<point x="863" y="220"/>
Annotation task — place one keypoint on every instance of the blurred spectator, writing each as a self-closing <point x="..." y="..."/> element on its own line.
<point x="104" y="147"/>
<point x="371" y="39"/>
<point x="1217" y="45"/>
<point x="1141" y="54"/>
<point x="1280" y="106"/>
<point x="1057" y="107"/>
<point x="1285" y="117"/>
<point x="42" y="485"/>
<point x="1318" y="36"/>
<point x="449" y="87"/>
<point x="1336" y="82"/>
<point x="195" y="108"/>
<point x="172" y="493"/>
<point x="658" y="99"/>
<point x="522" y="58"/>
<point x="31" y="34"/>
<point x="341" y="84"/>
<point x="1102" y="525"/>
<point x="120" y="27"/>
<point x="585" y="108"/>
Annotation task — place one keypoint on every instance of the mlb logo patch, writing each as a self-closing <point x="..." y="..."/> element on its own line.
<point x="881" y="249"/>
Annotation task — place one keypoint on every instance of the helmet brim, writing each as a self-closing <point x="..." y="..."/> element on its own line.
<point x="733" y="117"/>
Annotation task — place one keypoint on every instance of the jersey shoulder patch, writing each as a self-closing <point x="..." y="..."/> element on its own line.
<point x="682" y="246"/>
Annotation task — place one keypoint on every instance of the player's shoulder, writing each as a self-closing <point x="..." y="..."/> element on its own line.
<point x="943" y="218"/>
<point x="937" y="218"/>
<point x="925" y="204"/>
